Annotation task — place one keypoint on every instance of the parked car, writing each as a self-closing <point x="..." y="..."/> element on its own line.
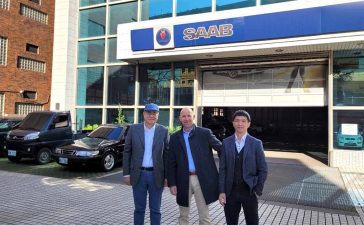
<point x="354" y="140"/>
<point x="38" y="134"/>
<point x="103" y="147"/>
<point x="6" y="124"/>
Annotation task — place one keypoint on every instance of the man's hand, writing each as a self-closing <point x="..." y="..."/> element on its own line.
<point x="222" y="199"/>
<point x="173" y="190"/>
<point x="127" y="180"/>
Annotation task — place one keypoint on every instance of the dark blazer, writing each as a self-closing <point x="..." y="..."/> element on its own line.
<point x="255" y="168"/>
<point x="202" y="140"/>
<point x="134" y="152"/>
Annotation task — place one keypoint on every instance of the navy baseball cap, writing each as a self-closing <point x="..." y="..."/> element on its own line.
<point x="151" y="107"/>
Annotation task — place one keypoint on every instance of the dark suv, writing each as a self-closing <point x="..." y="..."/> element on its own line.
<point x="6" y="124"/>
<point x="38" y="134"/>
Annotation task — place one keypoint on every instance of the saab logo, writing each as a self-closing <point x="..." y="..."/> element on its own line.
<point x="163" y="36"/>
<point x="223" y="30"/>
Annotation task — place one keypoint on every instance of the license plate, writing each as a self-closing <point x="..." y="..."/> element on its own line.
<point x="11" y="153"/>
<point x="63" y="160"/>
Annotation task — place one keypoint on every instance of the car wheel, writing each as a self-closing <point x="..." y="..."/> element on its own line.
<point x="43" y="156"/>
<point x="14" y="159"/>
<point x="108" y="161"/>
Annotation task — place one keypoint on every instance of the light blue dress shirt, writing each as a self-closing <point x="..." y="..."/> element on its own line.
<point x="148" y="145"/>
<point x="191" y="164"/>
<point x="240" y="143"/>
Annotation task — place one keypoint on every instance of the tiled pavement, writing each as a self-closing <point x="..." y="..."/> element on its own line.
<point x="46" y="199"/>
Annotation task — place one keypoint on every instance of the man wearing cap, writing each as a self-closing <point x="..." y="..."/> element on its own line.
<point x="145" y="153"/>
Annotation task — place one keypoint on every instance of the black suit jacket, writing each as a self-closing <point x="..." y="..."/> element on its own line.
<point x="255" y="168"/>
<point x="202" y="140"/>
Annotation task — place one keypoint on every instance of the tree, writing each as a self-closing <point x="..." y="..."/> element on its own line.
<point x="120" y="119"/>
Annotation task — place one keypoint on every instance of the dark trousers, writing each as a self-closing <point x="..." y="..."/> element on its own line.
<point x="241" y="198"/>
<point x="146" y="185"/>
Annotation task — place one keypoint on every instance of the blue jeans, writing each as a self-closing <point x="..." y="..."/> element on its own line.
<point x="146" y="185"/>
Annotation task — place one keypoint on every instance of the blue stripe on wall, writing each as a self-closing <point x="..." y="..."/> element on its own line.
<point x="296" y="23"/>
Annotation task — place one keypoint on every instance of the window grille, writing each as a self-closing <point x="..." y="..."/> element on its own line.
<point x="31" y="64"/>
<point x="33" y="14"/>
<point x="2" y="104"/>
<point x="4" y="4"/>
<point x="25" y="108"/>
<point x="3" y="50"/>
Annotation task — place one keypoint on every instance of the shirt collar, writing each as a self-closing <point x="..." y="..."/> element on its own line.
<point x="242" y="138"/>
<point x="149" y="129"/>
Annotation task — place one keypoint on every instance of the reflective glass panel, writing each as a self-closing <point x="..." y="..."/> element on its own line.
<point x="348" y="77"/>
<point x="112" y="115"/>
<point x="89" y="118"/>
<point x="112" y="50"/>
<point x="348" y="129"/>
<point x="122" y="13"/>
<point x="184" y="75"/>
<point x="92" y="22"/>
<point x="156" y="9"/>
<point x="155" y="83"/>
<point x="90" y="86"/>
<point x="90" y="2"/>
<point x="176" y="121"/>
<point x="121" y="85"/>
<point x="91" y="52"/>
<point x="266" y="2"/>
<point x="233" y="4"/>
<point x="188" y="7"/>
<point x="162" y="119"/>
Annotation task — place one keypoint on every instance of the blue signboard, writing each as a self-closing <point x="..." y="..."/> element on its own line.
<point x="296" y="23"/>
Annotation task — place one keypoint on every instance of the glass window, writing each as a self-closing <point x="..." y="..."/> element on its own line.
<point x="122" y="13"/>
<point x="348" y="129"/>
<point x="112" y="51"/>
<point x="162" y="119"/>
<point x="188" y="7"/>
<point x="91" y="52"/>
<point x="233" y="4"/>
<point x="92" y="22"/>
<point x="112" y="115"/>
<point x="91" y="2"/>
<point x="155" y="83"/>
<point x="90" y="83"/>
<point x="349" y="78"/>
<point x="184" y="75"/>
<point x="32" y="48"/>
<point x="156" y="9"/>
<point x="266" y="2"/>
<point x="121" y="85"/>
<point x="176" y="121"/>
<point x="33" y="14"/>
<point x="88" y="118"/>
<point x="3" y="50"/>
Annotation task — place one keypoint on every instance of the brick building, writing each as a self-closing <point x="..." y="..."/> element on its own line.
<point x="26" y="46"/>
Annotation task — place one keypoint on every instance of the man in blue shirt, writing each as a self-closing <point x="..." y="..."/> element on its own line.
<point x="192" y="169"/>
<point x="144" y="160"/>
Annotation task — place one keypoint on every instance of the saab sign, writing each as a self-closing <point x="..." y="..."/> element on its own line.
<point x="163" y="37"/>
<point x="222" y="30"/>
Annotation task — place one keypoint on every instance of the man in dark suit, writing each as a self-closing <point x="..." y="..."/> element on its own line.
<point x="192" y="169"/>
<point x="144" y="160"/>
<point x="243" y="171"/>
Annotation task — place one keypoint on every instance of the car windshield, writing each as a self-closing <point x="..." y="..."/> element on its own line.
<point x="34" y="121"/>
<point x="4" y="125"/>
<point x="108" y="133"/>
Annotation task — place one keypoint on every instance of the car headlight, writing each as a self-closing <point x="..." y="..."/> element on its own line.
<point x="86" y="153"/>
<point x="58" y="151"/>
<point x="31" y="136"/>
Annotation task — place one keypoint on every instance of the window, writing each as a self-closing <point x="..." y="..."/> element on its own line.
<point x="233" y="4"/>
<point x="35" y="1"/>
<point x="156" y="9"/>
<point x="30" y="94"/>
<point x="2" y="104"/>
<point x="61" y="121"/>
<point x="91" y="2"/>
<point x="91" y="52"/>
<point x="32" y="48"/>
<point x="25" y="108"/>
<point x="88" y="117"/>
<point x="112" y="115"/>
<point x="92" y="22"/>
<point x="266" y="2"/>
<point x="90" y="82"/>
<point x="189" y="7"/>
<point x="4" y="4"/>
<point x="122" y="13"/>
<point x="31" y="64"/>
<point x="121" y="85"/>
<point x="184" y="75"/>
<point x="3" y="50"/>
<point x="33" y="14"/>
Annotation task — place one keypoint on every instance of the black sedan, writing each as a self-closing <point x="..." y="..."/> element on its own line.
<point x="6" y="124"/>
<point x="102" y="147"/>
